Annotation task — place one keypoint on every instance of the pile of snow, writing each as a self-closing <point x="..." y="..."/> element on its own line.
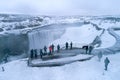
<point x="87" y="70"/>
<point x="66" y="60"/>
<point x="85" y="35"/>
<point x="78" y="35"/>
<point x="107" y="40"/>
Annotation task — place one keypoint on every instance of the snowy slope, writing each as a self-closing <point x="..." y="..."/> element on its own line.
<point x="78" y="35"/>
<point x="85" y="35"/>
<point x="107" y="40"/>
<point x="87" y="70"/>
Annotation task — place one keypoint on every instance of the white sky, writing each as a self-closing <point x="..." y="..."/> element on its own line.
<point x="61" y="7"/>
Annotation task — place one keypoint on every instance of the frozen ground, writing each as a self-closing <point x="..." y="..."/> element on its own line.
<point x="78" y="35"/>
<point x="85" y="35"/>
<point x="118" y="32"/>
<point x="87" y="70"/>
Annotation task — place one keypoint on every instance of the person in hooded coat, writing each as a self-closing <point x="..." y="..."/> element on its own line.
<point x="106" y="61"/>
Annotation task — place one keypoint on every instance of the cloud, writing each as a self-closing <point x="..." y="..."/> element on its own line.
<point x="61" y="7"/>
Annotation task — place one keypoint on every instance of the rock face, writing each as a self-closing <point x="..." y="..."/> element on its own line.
<point x="12" y="44"/>
<point x="1" y="29"/>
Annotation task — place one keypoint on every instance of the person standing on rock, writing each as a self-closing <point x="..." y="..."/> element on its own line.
<point x="31" y="53"/>
<point x="45" y="50"/>
<point x="71" y="45"/>
<point x="90" y="48"/>
<point x="35" y="53"/>
<point x="106" y="61"/>
<point x="52" y="48"/>
<point x="86" y="48"/>
<point x="58" y="48"/>
<point x="66" y="45"/>
<point x="41" y="53"/>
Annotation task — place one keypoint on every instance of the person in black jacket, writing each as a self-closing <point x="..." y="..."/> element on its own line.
<point x="91" y="47"/>
<point x="3" y="69"/>
<point x="45" y="50"/>
<point x="41" y="53"/>
<point x="106" y="61"/>
<point x="86" y="48"/>
<point x="52" y="48"/>
<point x="31" y="53"/>
<point x="35" y="53"/>
<point x="58" y="48"/>
<point x="66" y="45"/>
<point x="71" y="45"/>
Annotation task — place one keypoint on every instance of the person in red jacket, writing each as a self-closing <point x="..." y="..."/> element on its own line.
<point x="50" y="49"/>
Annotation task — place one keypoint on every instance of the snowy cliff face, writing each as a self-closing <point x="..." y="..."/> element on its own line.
<point x="13" y="33"/>
<point x="19" y="33"/>
<point x="14" y="22"/>
<point x="44" y="36"/>
<point x="38" y="39"/>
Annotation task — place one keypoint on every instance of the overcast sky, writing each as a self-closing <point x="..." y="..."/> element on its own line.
<point x="61" y="7"/>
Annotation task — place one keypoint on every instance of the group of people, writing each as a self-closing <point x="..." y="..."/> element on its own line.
<point x="68" y="46"/>
<point x="88" y="48"/>
<point x="51" y="48"/>
<point x="34" y="53"/>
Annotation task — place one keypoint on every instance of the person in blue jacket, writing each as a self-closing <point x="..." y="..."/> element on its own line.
<point x="106" y="61"/>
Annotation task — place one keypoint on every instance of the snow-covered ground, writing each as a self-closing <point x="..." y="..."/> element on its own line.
<point x="107" y="40"/>
<point x="85" y="35"/>
<point x="86" y="70"/>
<point x="118" y="32"/>
<point x="61" y="60"/>
<point x="81" y="35"/>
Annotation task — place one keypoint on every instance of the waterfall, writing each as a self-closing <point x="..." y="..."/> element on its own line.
<point x="39" y="38"/>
